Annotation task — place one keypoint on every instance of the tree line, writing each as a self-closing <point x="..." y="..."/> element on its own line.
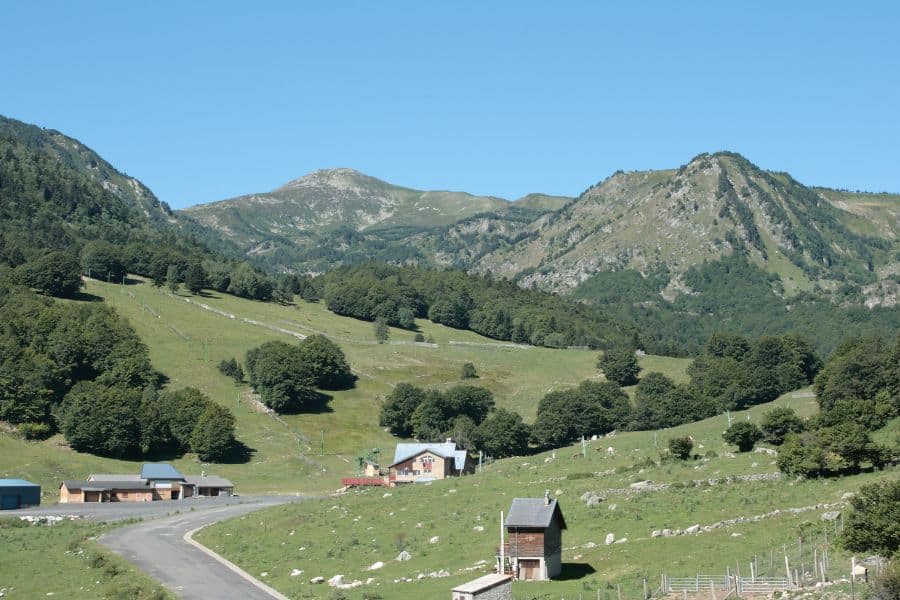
<point x="498" y="309"/>
<point x="80" y="369"/>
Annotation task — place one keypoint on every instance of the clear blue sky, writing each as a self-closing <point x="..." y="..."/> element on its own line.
<point x="208" y="101"/>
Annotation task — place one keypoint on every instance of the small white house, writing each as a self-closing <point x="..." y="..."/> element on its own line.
<point x="489" y="587"/>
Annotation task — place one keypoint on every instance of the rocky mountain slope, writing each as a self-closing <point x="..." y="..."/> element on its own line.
<point x="649" y="221"/>
<point x="706" y="209"/>
<point x="72" y="154"/>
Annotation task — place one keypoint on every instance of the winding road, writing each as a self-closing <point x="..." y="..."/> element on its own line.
<point x="162" y="548"/>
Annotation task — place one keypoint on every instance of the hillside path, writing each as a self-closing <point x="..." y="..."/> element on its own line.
<point x="162" y="549"/>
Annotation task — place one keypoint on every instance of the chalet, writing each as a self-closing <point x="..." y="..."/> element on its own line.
<point x="489" y="587"/>
<point x="533" y="548"/>
<point x="423" y="462"/>
<point x="157" y="481"/>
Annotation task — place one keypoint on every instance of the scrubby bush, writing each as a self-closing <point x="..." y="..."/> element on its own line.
<point x="681" y="447"/>
<point x="743" y="434"/>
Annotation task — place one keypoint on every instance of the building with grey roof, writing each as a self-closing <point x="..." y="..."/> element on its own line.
<point x="533" y="548"/>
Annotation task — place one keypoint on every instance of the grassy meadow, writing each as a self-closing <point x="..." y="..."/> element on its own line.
<point x="63" y="560"/>
<point x="347" y="534"/>
<point x="187" y="342"/>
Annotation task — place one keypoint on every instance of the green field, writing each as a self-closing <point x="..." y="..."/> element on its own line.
<point x="62" y="560"/>
<point x="346" y="534"/>
<point x="186" y="343"/>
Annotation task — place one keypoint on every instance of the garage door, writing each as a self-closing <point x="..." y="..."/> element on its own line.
<point x="529" y="569"/>
<point x="9" y="501"/>
<point x="92" y="496"/>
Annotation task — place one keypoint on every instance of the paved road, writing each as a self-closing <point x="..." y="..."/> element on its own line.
<point x="159" y="549"/>
<point x="119" y="511"/>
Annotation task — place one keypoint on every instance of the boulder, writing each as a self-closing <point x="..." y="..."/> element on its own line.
<point x="655" y="533"/>
<point x="610" y="538"/>
<point x="621" y="540"/>
<point x="404" y="556"/>
<point x="593" y="501"/>
<point x="666" y="532"/>
<point x="478" y="528"/>
<point x="296" y="572"/>
<point x="336" y="581"/>
<point x="434" y="540"/>
<point x="641" y="485"/>
<point x="692" y="529"/>
<point x="375" y="566"/>
<point x="832" y="515"/>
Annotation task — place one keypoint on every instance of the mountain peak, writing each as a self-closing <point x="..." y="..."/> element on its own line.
<point x="340" y="178"/>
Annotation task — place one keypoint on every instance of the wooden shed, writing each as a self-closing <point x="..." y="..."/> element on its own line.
<point x="534" y="538"/>
<point x="489" y="587"/>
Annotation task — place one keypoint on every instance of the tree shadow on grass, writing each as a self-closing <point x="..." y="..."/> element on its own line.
<point x="239" y="454"/>
<point x="573" y="571"/>
<point x="85" y="297"/>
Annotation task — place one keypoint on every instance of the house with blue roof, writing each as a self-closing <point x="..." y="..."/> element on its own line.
<point x="421" y="462"/>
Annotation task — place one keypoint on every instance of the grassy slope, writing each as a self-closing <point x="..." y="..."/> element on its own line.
<point x="61" y="560"/>
<point x="346" y="534"/>
<point x="517" y="377"/>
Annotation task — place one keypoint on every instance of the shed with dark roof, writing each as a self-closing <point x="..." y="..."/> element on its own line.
<point x="534" y="538"/>
<point x="18" y="493"/>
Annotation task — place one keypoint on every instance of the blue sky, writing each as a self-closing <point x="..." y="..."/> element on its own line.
<point x="213" y="100"/>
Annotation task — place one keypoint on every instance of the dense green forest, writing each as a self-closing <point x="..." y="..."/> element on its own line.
<point x="494" y="308"/>
<point x="731" y="294"/>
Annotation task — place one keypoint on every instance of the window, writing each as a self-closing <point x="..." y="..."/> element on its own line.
<point x="427" y="463"/>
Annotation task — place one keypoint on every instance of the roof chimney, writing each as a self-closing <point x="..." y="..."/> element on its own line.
<point x="546" y="497"/>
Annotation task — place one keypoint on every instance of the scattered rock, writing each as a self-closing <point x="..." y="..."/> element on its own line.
<point x="666" y="532"/>
<point x="264" y="574"/>
<point x="754" y="465"/>
<point x="640" y="485"/>
<point x="317" y="580"/>
<point x="336" y="581"/>
<point x="735" y="534"/>
<point x="832" y="515"/>
<point x="478" y="528"/>
<point x="610" y="538"/>
<point x="848" y="495"/>
<point x="296" y="572"/>
<point x="612" y="506"/>
<point x="692" y="529"/>
<point x="375" y="566"/>
<point x="559" y="492"/>
<point x="434" y="540"/>
<point x="655" y="533"/>
<point x="590" y="545"/>
<point x="387" y="495"/>
<point x="452" y="491"/>
<point x="404" y="556"/>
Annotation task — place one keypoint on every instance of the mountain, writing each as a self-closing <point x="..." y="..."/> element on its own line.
<point x="74" y="156"/>
<point x="56" y="194"/>
<point x="707" y="209"/>
<point x="648" y="221"/>
<point x="335" y="198"/>
<point x="341" y="216"/>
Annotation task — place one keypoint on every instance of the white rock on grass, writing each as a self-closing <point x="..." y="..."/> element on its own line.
<point x="336" y="581"/>
<point x="296" y="572"/>
<point x="610" y="538"/>
<point x="434" y="540"/>
<point x="692" y="529"/>
<point x="621" y="540"/>
<point x="375" y="566"/>
<point x="317" y="580"/>
<point x="478" y="528"/>
<point x="404" y="556"/>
